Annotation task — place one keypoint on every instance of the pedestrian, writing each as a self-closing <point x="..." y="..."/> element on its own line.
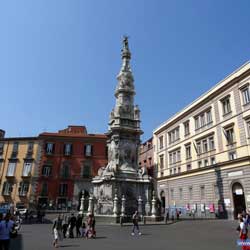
<point x="83" y="229"/>
<point x="72" y="224"/>
<point x="78" y="225"/>
<point x="6" y="227"/>
<point x="65" y="225"/>
<point x="57" y="230"/>
<point x="135" y="220"/>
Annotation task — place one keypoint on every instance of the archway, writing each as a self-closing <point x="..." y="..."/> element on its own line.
<point x="238" y="199"/>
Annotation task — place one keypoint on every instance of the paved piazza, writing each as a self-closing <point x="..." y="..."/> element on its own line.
<point x="181" y="235"/>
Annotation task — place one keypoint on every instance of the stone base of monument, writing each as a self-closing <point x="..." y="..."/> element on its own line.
<point x="107" y="219"/>
<point x="153" y="218"/>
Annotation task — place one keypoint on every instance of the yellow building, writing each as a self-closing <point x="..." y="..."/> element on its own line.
<point x="203" y="152"/>
<point x="19" y="159"/>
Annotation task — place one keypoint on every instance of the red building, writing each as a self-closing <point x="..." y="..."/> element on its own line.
<point x="70" y="158"/>
<point x="146" y="155"/>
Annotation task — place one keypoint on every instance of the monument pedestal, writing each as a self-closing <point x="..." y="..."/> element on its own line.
<point x="131" y="187"/>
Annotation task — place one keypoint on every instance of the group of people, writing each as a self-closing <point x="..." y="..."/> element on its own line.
<point x="70" y="227"/>
<point x="244" y="222"/>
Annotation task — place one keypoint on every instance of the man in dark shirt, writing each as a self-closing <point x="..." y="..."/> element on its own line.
<point x="72" y="223"/>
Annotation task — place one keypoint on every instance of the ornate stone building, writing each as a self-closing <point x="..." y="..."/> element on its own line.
<point x="202" y="152"/>
<point x="121" y="176"/>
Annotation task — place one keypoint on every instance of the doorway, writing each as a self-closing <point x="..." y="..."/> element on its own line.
<point x="238" y="199"/>
<point x="163" y="202"/>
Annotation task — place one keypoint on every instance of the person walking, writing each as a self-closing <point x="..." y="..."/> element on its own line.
<point x="57" y="230"/>
<point x="135" y="220"/>
<point x="6" y="227"/>
<point x="65" y="225"/>
<point x="78" y="225"/>
<point x="72" y="224"/>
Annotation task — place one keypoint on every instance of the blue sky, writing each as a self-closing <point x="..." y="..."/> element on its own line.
<point x="59" y="58"/>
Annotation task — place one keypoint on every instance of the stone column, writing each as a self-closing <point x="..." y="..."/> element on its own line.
<point x="123" y="206"/>
<point x="82" y="205"/>
<point x="153" y="211"/>
<point x="115" y="208"/>
<point x="90" y="208"/>
<point x="140" y="205"/>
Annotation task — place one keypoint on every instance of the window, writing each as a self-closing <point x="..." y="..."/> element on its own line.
<point x="213" y="162"/>
<point x="67" y="149"/>
<point x="229" y="134"/>
<point x="171" y="171"/>
<point x="190" y="189"/>
<point x="246" y="96"/>
<point x="15" y="147"/>
<point x="44" y="190"/>
<point x="197" y="123"/>
<point x="205" y="146"/>
<point x="1" y="147"/>
<point x="202" y="192"/>
<point x="186" y="128"/>
<point x="63" y="189"/>
<point x="199" y="164"/>
<point x="30" y="147"/>
<point x="65" y="171"/>
<point x="206" y="162"/>
<point x="175" y="157"/>
<point x="199" y="148"/>
<point x="179" y="169"/>
<point x="189" y="167"/>
<point x="47" y="170"/>
<point x="86" y="170"/>
<point x="232" y="155"/>
<point x="11" y="169"/>
<point x="161" y="142"/>
<point x="180" y="193"/>
<point x="161" y="161"/>
<point x="23" y="188"/>
<point x="7" y="188"/>
<point x="203" y="119"/>
<point x="174" y="170"/>
<point x="27" y="169"/>
<point x="226" y="105"/>
<point x="188" y="151"/>
<point x="211" y="143"/>
<point x="248" y="127"/>
<point x="88" y="150"/>
<point x="209" y="116"/>
<point x="49" y="148"/>
<point x="174" y="135"/>
<point x="172" y="194"/>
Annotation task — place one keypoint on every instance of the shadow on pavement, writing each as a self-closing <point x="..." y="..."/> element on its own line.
<point x="70" y="245"/>
<point x="17" y="243"/>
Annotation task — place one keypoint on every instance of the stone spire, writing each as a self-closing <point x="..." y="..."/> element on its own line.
<point x="125" y="77"/>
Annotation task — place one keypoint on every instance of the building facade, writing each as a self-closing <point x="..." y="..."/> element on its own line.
<point x="70" y="158"/>
<point x="146" y="156"/>
<point x="202" y="153"/>
<point x="19" y="160"/>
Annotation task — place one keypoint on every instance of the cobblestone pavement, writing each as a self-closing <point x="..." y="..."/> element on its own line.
<point x="204" y="235"/>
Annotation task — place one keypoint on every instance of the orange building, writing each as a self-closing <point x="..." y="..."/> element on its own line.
<point x="19" y="160"/>
<point x="70" y="158"/>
